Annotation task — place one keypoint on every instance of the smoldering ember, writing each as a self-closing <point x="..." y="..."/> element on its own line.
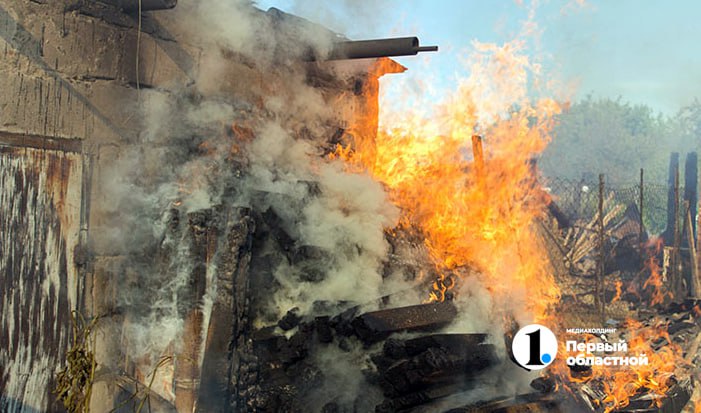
<point x="205" y="209"/>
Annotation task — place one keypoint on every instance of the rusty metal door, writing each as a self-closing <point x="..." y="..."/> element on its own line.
<point x="41" y="209"/>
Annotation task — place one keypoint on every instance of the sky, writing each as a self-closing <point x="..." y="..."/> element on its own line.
<point x="644" y="51"/>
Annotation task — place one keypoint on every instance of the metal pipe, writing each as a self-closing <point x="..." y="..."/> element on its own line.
<point x="131" y="6"/>
<point x="364" y="49"/>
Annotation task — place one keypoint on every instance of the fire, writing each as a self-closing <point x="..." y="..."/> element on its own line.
<point x="476" y="214"/>
<point x="619" y="291"/>
<point x="620" y="383"/>
<point x="623" y="383"/>
<point x="464" y="177"/>
<point x="655" y="281"/>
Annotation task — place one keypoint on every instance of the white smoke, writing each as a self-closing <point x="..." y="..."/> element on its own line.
<point x="181" y="162"/>
<point x="346" y="219"/>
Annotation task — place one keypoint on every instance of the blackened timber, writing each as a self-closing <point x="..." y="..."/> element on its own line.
<point x="677" y="285"/>
<point x="436" y="365"/>
<point x="394" y="349"/>
<point x="202" y="236"/>
<point x="450" y="342"/>
<point x="420" y="398"/>
<point x="668" y="234"/>
<point x="691" y="176"/>
<point x="377" y="325"/>
<point x="323" y="329"/>
<point x="641" y="237"/>
<point x="398" y="349"/>
<point x="533" y="402"/>
<point x="290" y="320"/>
<point x="228" y="315"/>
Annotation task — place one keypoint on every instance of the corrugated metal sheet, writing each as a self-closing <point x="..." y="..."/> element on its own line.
<point x="40" y="220"/>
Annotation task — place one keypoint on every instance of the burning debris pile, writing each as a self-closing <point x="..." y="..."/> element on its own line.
<point x="286" y="255"/>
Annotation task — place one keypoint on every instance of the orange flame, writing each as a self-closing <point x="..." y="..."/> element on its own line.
<point x="476" y="216"/>
<point x="477" y="210"/>
<point x="620" y="383"/>
<point x="659" y="293"/>
<point x="619" y="291"/>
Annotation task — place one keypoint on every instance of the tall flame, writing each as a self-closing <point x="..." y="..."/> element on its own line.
<point x="474" y="215"/>
<point x="478" y="211"/>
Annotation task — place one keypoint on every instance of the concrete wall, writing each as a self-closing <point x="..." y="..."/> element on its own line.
<point x="69" y="101"/>
<point x="69" y="104"/>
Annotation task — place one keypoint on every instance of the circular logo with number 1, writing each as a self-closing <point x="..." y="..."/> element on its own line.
<point x="534" y="347"/>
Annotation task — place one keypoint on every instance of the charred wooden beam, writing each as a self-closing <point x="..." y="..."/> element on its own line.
<point x="478" y="154"/>
<point x="641" y="237"/>
<point x="531" y="403"/>
<point x="322" y="326"/>
<point x="668" y="234"/>
<point x="420" y="370"/>
<point x="599" y="300"/>
<point x="290" y="320"/>
<point x="693" y="284"/>
<point x="203" y="242"/>
<point x="436" y="366"/>
<point x="691" y="176"/>
<point x="676" y="276"/>
<point x="224" y="334"/>
<point x="420" y="398"/>
<point x="378" y="325"/>
<point x="398" y="349"/>
<point x="544" y="384"/>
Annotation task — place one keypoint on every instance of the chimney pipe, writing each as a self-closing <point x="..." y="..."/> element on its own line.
<point x="364" y="49"/>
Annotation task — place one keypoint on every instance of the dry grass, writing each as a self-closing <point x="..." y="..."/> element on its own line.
<point x="74" y="382"/>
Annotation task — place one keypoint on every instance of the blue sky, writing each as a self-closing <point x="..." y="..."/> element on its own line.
<point x="645" y="51"/>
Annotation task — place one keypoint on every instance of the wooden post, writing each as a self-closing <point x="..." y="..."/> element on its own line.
<point x="694" y="286"/>
<point x="187" y="370"/>
<point x="668" y="234"/>
<point x="690" y="189"/>
<point x="600" y="286"/>
<point x="641" y="236"/>
<point x="676" y="280"/>
<point x="478" y="154"/>
<point x="697" y="264"/>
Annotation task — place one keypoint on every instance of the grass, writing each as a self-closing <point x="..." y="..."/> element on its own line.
<point x="74" y="382"/>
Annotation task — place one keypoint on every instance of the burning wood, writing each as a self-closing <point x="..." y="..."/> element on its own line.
<point x="415" y="365"/>
<point x="297" y="257"/>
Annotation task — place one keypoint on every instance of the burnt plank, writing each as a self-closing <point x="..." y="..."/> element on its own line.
<point x="377" y="325"/>
<point x="220" y="359"/>
<point x="457" y="343"/>
<point x="531" y="403"/>
<point x="436" y="365"/>
<point x="422" y="397"/>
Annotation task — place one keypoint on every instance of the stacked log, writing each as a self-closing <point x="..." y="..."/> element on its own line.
<point x="423" y="369"/>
